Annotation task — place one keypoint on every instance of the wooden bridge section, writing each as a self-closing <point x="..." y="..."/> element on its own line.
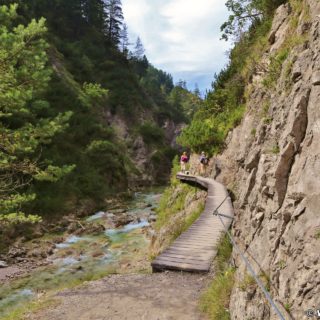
<point x="194" y="250"/>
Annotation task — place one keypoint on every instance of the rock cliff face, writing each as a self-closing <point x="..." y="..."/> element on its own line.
<point x="272" y="165"/>
<point x="147" y="170"/>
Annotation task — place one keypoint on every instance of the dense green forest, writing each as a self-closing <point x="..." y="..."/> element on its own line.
<point x="67" y="71"/>
<point x="224" y="105"/>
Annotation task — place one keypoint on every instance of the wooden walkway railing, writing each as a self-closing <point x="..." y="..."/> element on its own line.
<point x="194" y="250"/>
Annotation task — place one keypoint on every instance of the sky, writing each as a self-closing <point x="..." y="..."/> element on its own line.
<point x="181" y="37"/>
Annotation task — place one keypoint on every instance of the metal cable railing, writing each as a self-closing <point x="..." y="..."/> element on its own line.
<point x="246" y="261"/>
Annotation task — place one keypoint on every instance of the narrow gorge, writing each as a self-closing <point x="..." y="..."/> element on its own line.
<point x="87" y="200"/>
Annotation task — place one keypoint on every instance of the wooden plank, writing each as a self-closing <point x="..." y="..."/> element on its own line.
<point x="187" y="252"/>
<point x="190" y="257"/>
<point x="179" y="267"/>
<point x="183" y="264"/>
<point x="197" y="234"/>
<point x="191" y="242"/>
<point x="177" y="262"/>
<point x="183" y="259"/>
<point x="193" y="237"/>
<point x="195" y="246"/>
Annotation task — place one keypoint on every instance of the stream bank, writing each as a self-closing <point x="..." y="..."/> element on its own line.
<point x="116" y="241"/>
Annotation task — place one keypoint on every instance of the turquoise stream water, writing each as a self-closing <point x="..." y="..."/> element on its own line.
<point x="83" y="258"/>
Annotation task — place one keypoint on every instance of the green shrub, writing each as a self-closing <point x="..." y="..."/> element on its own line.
<point x="209" y="134"/>
<point x="275" y="68"/>
<point x="151" y="133"/>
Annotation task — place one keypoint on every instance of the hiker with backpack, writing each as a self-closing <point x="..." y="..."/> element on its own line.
<point x="203" y="163"/>
<point x="184" y="159"/>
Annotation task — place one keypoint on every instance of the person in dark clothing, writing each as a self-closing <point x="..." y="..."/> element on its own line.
<point x="203" y="163"/>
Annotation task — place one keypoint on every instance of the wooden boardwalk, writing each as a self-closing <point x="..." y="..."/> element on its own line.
<point x="194" y="250"/>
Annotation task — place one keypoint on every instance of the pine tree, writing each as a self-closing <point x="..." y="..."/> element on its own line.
<point x="23" y="78"/>
<point x="139" y="51"/>
<point x="124" y="40"/>
<point x="196" y="91"/>
<point x="182" y="84"/>
<point x="114" y="20"/>
<point x="94" y="13"/>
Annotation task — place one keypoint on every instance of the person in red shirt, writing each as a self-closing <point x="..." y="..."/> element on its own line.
<point x="183" y="162"/>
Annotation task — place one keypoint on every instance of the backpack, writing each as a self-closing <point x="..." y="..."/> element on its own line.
<point x="204" y="160"/>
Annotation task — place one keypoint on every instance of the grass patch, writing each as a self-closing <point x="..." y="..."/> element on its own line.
<point x="267" y="120"/>
<point x="275" y="149"/>
<point x="168" y="207"/>
<point x="288" y="306"/>
<point x="34" y="306"/>
<point x="277" y="61"/>
<point x="223" y="255"/>
<point x="247" y="282"/>
<point x="173" y="202"/>
<point x="265" y="278"/>
<point x="215" y="301"/>
<point x="282" y="264"/>
<point x="265" y="108"/>
<point x="300" y="7"/>
<point x="173" y="198"/>
<point x="275" y="67"/>
<point x="287" y="73"/>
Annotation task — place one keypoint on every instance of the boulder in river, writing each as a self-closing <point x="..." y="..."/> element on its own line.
<point x="90" y="228"/>
<point x="152" y="218"/>
<point x="3" y="264"/>
<point x="124" y="219"/>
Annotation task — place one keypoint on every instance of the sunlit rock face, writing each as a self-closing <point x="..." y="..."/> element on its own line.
<point x="272" y="167"/>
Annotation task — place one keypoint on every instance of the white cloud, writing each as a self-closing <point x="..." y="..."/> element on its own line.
<point x="180" y="36"/>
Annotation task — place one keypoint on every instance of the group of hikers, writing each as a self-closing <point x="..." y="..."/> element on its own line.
<point x="203" y="162"/>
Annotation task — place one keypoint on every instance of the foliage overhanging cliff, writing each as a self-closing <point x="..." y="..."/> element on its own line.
<point x="224" y="105"/>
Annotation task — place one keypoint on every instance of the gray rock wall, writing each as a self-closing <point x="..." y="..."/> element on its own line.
<point x="272" y="165"/>
<point x="145" y="171"/>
